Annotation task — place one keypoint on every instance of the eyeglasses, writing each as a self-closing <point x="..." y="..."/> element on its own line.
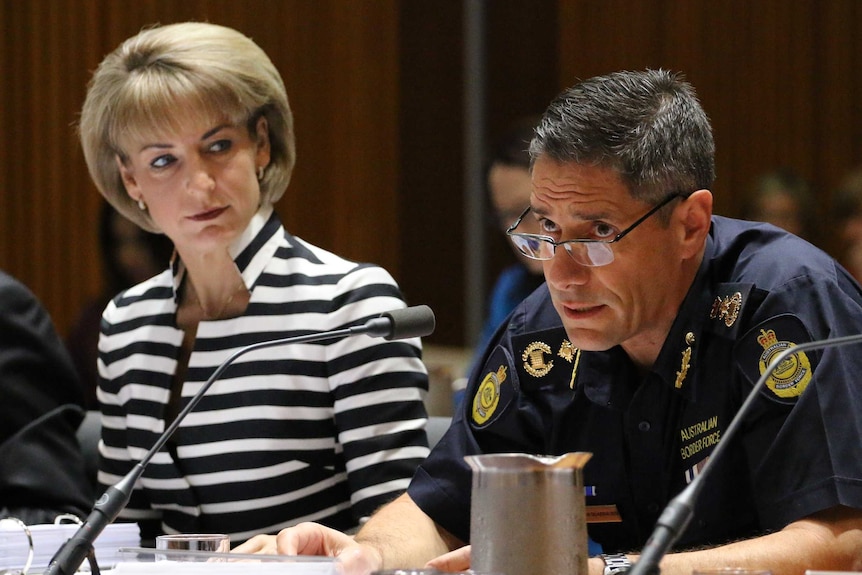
<point x="591" y="253"/>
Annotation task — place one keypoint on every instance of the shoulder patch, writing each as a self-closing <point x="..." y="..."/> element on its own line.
<point x="495" y="390"/>
<point x="759" y="347"/>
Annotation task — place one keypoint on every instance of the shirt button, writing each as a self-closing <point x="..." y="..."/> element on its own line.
<point x="652" y="507"/>
<point x="644" y="425"/>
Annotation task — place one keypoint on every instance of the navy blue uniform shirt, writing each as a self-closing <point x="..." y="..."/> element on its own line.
<point x="758" y="291"/>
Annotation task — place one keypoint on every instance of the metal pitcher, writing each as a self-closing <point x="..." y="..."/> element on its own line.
<point x="527" y="515"/>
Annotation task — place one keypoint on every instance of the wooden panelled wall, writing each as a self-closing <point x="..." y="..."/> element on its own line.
<point x="376" y="89"/>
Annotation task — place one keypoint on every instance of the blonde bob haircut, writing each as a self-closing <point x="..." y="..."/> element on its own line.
<point x="166" y="75"/>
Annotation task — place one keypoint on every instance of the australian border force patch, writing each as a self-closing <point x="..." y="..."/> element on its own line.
<point x="761" y="346"/>
<point x="495" y="390"/>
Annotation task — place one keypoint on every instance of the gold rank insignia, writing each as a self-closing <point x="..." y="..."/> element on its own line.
<point x="686" y="361"/>
<point x="571" y="354"/>
<point x="791" y="376"/>
<point x="534" y="359"/>
<point x="727" y="308"/>
<point x="488" y="395"/>
<point x="567" y="350"/>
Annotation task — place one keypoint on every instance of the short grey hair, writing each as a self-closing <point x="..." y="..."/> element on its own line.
<point x="647" y="126"/>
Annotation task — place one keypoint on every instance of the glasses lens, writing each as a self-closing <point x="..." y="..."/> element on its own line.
<point x="533" y="246"/>
<point x="600" y="254"/>
<point x="591" y="254"/>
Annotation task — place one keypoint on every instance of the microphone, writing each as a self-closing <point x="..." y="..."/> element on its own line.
<point x="416" y="321"/>
<point x="678" y="513"/>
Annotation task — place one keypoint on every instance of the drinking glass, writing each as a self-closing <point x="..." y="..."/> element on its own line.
<point x="191" y="542"/>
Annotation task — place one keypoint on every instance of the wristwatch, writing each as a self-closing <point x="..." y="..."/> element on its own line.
<point x="615" y="563"/>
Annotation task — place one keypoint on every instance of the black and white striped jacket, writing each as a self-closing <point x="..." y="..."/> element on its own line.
<point x="324" y="432"/>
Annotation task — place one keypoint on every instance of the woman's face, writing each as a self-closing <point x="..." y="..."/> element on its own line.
<point x="199" y="183"/>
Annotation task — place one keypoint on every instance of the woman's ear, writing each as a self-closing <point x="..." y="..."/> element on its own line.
<point x="129" y="180"/>
<point x="263" y="144"/>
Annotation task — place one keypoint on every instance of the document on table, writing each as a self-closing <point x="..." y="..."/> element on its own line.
<point x="15" y="547"/>
<point x="141" y="561"/>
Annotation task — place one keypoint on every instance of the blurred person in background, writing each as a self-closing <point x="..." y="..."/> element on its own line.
<point x="783" y="198"/>
<point x="847" y="221"/>
<point x="508" y="187"/>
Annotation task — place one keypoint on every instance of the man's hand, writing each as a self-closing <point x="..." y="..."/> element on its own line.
<point x="398" y="536"/>
<point x="315" y="539"/>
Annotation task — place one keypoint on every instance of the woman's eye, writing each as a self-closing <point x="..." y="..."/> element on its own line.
<point x="162" y="161"/>
<point x="220" y="146"/>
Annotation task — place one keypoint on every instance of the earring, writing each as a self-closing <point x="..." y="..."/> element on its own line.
<point x="259" y="173"/>
<point x="142" y="205"/>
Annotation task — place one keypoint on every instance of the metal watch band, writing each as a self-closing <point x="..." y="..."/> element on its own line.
<point x="615" y="563"/>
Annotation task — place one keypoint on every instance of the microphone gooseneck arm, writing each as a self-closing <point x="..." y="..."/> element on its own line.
<point x="678" y="513"/>
<point x="416" y="321"/>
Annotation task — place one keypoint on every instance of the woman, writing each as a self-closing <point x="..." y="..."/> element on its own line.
<point x="187" y="131"/>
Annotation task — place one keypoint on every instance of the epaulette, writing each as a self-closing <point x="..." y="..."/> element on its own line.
<point x="544" y="358"/>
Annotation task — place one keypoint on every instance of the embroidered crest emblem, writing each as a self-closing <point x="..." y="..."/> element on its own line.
<point x="792" y="375"/>
<point x="534" y="359"/>
<point x="727" y="308"/>
<point x="488" y="395"/>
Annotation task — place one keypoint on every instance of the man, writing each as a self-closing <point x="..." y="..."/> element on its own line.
<point x="42" y="470"/>
<point x="656" y="321"/>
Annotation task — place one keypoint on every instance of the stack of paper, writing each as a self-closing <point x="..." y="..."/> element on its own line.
<point x="47" y="539"/>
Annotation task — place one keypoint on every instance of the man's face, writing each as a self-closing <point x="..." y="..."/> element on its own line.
<point x="633" y="300"/>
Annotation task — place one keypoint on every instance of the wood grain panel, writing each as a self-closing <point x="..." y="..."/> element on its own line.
<point x="522" y="78"/>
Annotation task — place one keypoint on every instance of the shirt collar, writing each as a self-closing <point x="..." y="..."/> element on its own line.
<point x="251" y="251"/>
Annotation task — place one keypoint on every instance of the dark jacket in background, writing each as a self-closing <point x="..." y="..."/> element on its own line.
<point x="42" y="470"/>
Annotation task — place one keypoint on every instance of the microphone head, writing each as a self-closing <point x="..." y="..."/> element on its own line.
<point x="415" y="321"/>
